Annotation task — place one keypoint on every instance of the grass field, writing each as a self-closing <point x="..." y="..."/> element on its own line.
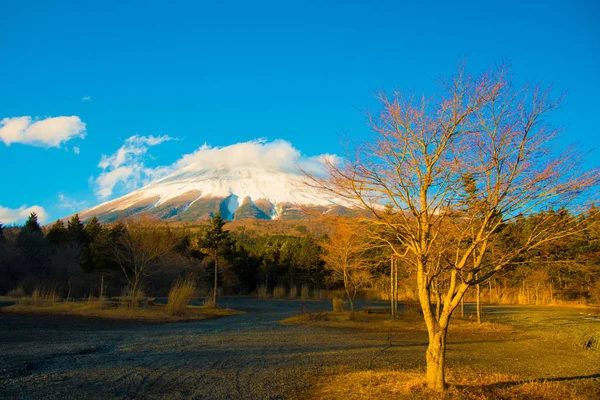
<point x="519" y="352"/>
<point x="154" y="314"/>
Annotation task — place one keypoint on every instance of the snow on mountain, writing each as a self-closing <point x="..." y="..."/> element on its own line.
<point x="197" y="191"/>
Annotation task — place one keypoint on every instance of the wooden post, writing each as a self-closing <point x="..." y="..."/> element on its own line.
<point x="392" y="310"/>
<point x="395" y="288"/>
<point x="101" y="286"/>
<point x="478" y="305"/>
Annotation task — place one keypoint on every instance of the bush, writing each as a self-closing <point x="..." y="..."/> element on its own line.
<point x="338" y="305"/>
<point x="279" y="292"/>
<point x="312" y="316"/>
<point x="180" y="295"/>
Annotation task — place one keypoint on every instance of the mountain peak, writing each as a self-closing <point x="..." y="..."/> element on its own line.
<point x="235" y="191"/>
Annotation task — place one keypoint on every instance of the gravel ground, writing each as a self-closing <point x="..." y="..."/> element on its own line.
<point x="248" y="356"/>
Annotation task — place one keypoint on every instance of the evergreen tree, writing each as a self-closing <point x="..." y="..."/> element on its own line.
<point x="217" y="241"/>
<point x="57" y="234"/>
<point x="76" y="231"/>
<point x="93" y="229"/>
<point x="32" y="243"/>
<point x="31" y="231"/>
<point x="32" y="225"/>
<point x="1" y="233"/>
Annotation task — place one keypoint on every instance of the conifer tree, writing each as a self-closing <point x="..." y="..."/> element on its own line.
<point x="30" y="230"/>
<point x="93" y="229"/>
<point x="216" y="241"/>
<point x="76" y="231"/>
<point x="31" y="241"/>
<point x="32" y="225"/>
<point x="57" y="234"/>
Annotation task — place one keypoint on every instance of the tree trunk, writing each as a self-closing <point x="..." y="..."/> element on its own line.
<point x="101" y="286"/>
<point x="352" y="315"/>
<point x="392" y="300"/>
<point x="69" y="294"/>
<point x="436" y="357"/>
<point x="216" y="282"/>
<point x="396" y="288"/>
<point x="478" y="302"/>
<point x="438" y="305"/>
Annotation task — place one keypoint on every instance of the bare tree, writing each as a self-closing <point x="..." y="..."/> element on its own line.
<point x="346" y="256"/>
<point x="423" y="147"/>
<point x="137" y="247"/>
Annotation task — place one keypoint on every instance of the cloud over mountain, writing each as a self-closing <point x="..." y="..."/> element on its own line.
<point x="127" y="167"/>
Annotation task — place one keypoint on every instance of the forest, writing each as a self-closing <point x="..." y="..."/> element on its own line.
<point x="79" y="259"/>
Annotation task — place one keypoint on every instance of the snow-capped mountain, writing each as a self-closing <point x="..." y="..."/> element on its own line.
<point x="237" y="192"/>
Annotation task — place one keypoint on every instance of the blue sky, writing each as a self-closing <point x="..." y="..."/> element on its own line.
<point x="227" y="72"/>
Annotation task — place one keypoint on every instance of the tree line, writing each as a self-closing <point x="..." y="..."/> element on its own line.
<point x="79" y="259"/>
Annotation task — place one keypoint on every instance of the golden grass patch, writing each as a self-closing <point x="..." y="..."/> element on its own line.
<point x="156" y="313"/>
<point x="462" y="384"/>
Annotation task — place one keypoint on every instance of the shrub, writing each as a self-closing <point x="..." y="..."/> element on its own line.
<point x="180" y="295"/>
<point x="314" y="316"/>
<point x="293" y="292"/>
<point x="279" y="292"/>
<point x="338" y="305"/>
<point x="304" y="292"/>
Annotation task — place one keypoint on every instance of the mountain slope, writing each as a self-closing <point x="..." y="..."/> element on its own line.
<point x="237" y="192"/>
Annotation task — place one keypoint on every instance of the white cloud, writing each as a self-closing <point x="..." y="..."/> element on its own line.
<point x="277" y="155"/>
<point x="13" y="215"/>
<point x="126" y="166"/>
<point x="76" y="150"/>
<point x="67" y="202"/>
<point x="49" y="132"/>
<point x="86" y="98"/>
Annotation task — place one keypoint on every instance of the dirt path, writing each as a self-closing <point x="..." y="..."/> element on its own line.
<point x="249" y="356"/>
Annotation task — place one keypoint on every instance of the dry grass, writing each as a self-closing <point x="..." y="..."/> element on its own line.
<point x="136" y="297"/>
<point x="95" y="309"/>
<point x="17" y="292"/>
<point x="462" y="384"/>
<point x="181" y="294"/>
<point x="383" y="323"/>
<point x="293" y="294"/>
<point x="305" y="292"/>
<point x="279" y="292"/>
<point x="40" y="298"/>
<point x="338" y="305"/>
<point x="262" y="291"/>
